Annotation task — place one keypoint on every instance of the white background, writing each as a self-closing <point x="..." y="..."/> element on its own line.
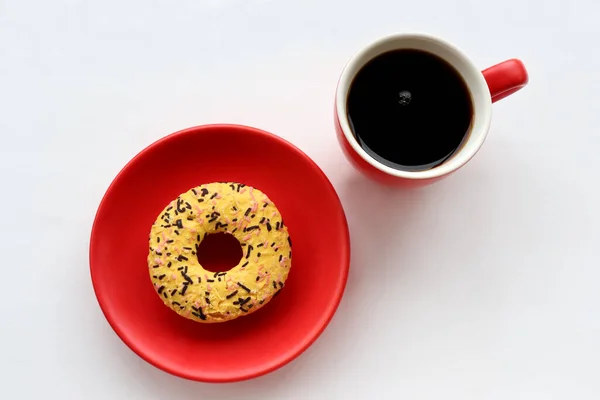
<point x="482" y="286"/>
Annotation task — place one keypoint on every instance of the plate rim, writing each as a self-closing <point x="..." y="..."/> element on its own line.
<point x="286" y="357"/>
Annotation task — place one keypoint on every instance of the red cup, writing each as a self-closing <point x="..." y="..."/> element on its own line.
<point x="485" y="87"/>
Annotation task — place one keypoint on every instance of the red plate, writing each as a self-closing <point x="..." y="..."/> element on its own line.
<point x="248" y="346"/>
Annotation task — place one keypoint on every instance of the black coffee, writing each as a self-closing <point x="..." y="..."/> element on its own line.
<point x="409" y="109"/>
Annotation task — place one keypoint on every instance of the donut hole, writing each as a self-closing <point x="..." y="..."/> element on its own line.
<point x="219" y="252"/>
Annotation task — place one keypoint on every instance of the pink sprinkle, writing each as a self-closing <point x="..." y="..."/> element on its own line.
<point x="243" y="190"/>
<point x="173" y="276"/>
<point x="255" y="207"/>
<point x="197" y="304"/>
<point x="158" y="261"/>
<point x="218" y="196"/>
<point x="274" y="214"/>
<point x="245" y="238"/>
<point x="208" y="287"/>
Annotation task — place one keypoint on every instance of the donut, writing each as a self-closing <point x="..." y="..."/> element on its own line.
<point x="205" y="296"/>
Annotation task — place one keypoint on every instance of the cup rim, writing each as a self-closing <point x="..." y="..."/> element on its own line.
<point x="473" y="77"/>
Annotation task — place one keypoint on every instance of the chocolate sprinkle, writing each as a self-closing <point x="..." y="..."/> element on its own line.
<point x="213" y="219"/>
<point x="175" y="303"/>
<point x="230" y="295"/>
<point x="243" y="301"/>
<point x="199" y="315"/>
<point x="274" y="285"/>
<point x="160" y="277"/>
<point x="280" y="284"/>
<point x="158" y="253"/>
<point x="160" y="289"/>
<point x="194" y="191"/>
<point x="257" y="278"/>
<point x="280" y="257"/>
<point x="262" y="220"/>
<point x="204" y="192"/>
<point x="182" y="258"/>
<point x="269" y="227"/>
<point x="187" y="248"/>
<point x="179" y="224"/>
<point x="169" y="208"/>
<point x="165" y="295"/>
<point x="169" y="264"/>
<point x="243" y="287"/>
<point x="158" y="239"/>
<point x="210" y="280"/>
<point x="247" y="211"/>
<point x="176" y="231"/>
<point x="186" y="277"/>
<point x="170" y="241"/>
<point x="184" y="289"/>
<point x="214" y="195"/>
<point x="207" y="300"/>
<point x="244" y="264"/>
<point x="277" y="226"/>
<point x="199" y="280"/>
<point x="155" y="266"/>
<point x="260" y="245"/>
<point x="266" y="204"/>
<point x="258" y="254"/>
<point x="173" y="293"/>
<point x="250" y="247"/>
<point x="251" y="228"/>
<point x="290" y="241"/>
<point x="272" y="244"/>
<point x="243" y="309"/>
<point x="188" y="205"/>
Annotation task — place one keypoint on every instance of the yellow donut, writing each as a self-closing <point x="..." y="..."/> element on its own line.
<point x="205" y="296"/>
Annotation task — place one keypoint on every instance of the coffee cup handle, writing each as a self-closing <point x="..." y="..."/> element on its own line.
<point x="505" y="78"/>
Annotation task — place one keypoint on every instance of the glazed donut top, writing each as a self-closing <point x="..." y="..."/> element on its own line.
<point x="206" y="296"/>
